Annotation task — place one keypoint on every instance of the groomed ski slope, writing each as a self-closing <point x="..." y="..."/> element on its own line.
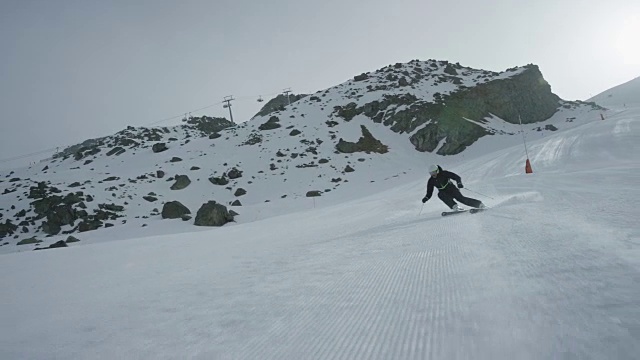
<point x="551" y="272"/>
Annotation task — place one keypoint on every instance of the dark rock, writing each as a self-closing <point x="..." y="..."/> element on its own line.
<point x="295" y="132"/>
<point x="89" y="225"/>
<point x="8" y="228"/>
<point x="366" y="143"/>
<point x="219" y="180"/>
<point x="57" y="244"/>
<point x="175" y="159"/>
<point x="278" y="103"/>
<point x="193" y="168"/>
<point x="116" y="151"/>
<point x="361" y="77"/>
<point x="72" y="239"/>
<point x="31" y="240"/>
<point x="271" y="124"/>
<point x="111" y="207"/>
<point x="209" y="125"/>
<point x="236" y="203"/>
<point x="214" y="136"/>
<point x="314" y="193"/>
<point x="72" y="198"/>
<point x="253" y="139"/>
<point x="182" y="181"/>
<point x="212" y="214"/>
<point x="234" y="173"/>
<point x="348" y="169"/>
<point x="111" y="178"/>
<point x="150" y="198"/>
<point x="240" y="192"/>
<point x="159" y="174"/>
<point x="186" y="217"/>
<point x="174" y="210"/>
<point x="51" y="228"/>
<point x="159" y="147"/>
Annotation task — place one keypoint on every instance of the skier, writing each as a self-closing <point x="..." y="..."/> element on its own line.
<point x="447" y="192"/>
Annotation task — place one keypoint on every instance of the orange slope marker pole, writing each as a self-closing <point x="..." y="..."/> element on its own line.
<point x="527" y="166"/>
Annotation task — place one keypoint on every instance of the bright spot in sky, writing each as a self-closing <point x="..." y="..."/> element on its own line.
<point x="627" y="40"/>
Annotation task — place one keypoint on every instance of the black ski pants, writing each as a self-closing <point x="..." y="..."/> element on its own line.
<point x="451" y="193"/>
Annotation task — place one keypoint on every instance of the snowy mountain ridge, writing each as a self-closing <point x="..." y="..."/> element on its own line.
<point x="365" y="135"/>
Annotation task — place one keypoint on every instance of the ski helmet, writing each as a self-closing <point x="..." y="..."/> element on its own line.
<point x="433" y="169"/>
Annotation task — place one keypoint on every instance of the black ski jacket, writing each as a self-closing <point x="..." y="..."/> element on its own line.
<point x="441" y="181"/>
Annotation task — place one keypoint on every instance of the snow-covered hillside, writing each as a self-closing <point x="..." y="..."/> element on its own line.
<point x="551" y="272"/>
<point x="620" y="96"/>
<point x="289" y="160"/>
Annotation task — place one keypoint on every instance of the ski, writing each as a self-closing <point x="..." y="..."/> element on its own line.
<point x="447" y="213"/>
<point x="473" y="211"/>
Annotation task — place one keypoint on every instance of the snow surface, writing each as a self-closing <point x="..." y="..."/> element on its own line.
<point x="551" y="272"/>
<point x="620" y="96"/>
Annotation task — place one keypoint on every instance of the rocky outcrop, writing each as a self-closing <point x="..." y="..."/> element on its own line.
<point x="272" y="123"/>
<point x="209" y="125"/>
<point x="8" y="228"/>
<point x="278" y="103"/>
<point x="58" y="211"/>
<point x="526" y="94"/>
<point x="367" y="143"/>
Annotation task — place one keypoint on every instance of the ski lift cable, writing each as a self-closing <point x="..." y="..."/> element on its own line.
<point x="24" y="156"/>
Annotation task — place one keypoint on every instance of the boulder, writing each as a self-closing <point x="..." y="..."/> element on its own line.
<point x="159" y="147"/>
<point x="219" y="180"/>
<point x="72" y="239"/>
<point x="213" y="214"/>
<point x="174" y="210"/>
<point x="182" y="181"/>
<point x="234" y="173"/>
<point x="31" y="240"/>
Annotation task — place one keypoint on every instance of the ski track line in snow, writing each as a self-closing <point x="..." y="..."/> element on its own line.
<point x="399" y="305"/>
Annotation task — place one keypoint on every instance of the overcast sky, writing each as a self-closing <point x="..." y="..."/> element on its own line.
<point x="76" y="69"/>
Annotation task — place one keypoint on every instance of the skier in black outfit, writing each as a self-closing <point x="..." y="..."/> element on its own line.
<point x="447" y="192"/>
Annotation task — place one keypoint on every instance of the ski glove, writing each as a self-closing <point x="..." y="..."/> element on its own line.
<point x="460" y="186"/>
<point x="425" y="199"/>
